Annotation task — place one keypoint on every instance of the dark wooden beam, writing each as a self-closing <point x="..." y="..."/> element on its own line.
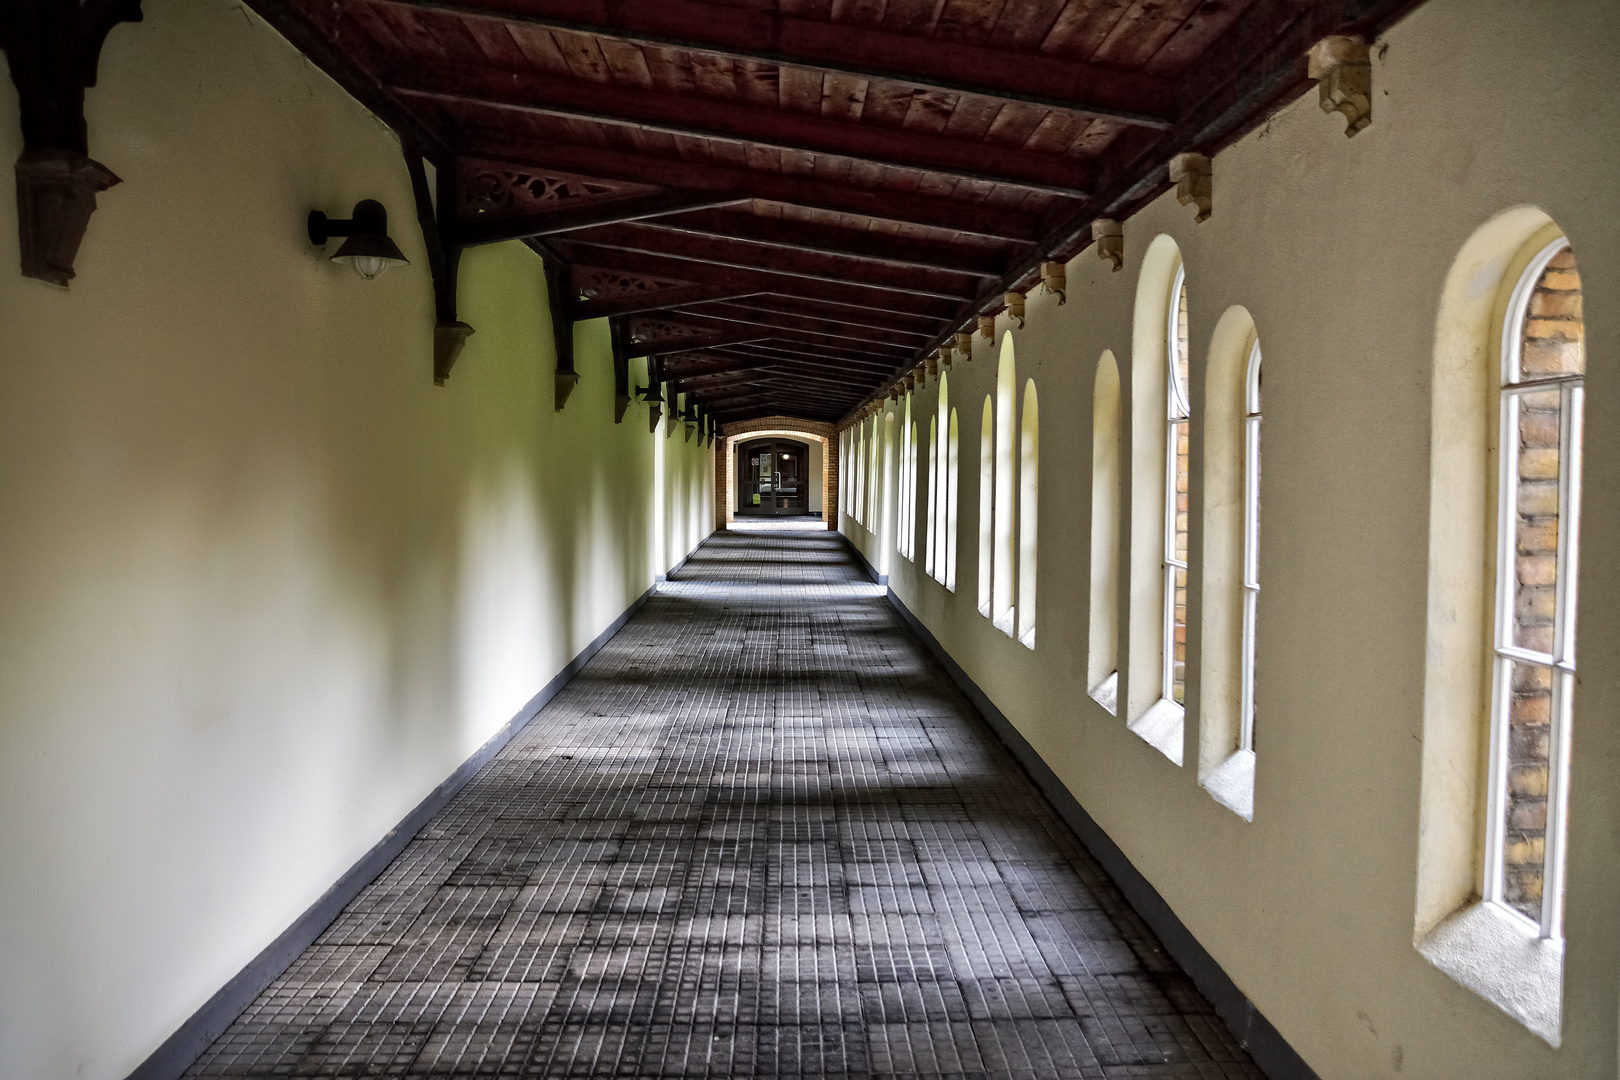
<point x="559" y="293"/>
<point x="843" y="373"/>
<point x="727" y="121"/>
<point x="767" y="37"/>
<point x="849" y="316"/>
<point x="1257" y="65"/>
<point x="758" y="280"/>
<point x="619" y="337"/>
<point x="450" y="334"/>
<point x="53" y="48"/>
<point x="637" y="303"/>
<point x="707" y="339"/>
<point x="646" y="238"/>
<point x="802" y="236"/>
<point x="568" y="217"/>
<point x="833" y="359"/>
<point x="949" y="214"/>
<point x="905" y="344"/>
<point x="332" y="39"/>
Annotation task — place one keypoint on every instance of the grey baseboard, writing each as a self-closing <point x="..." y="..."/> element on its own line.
<point x="1252" y="1030"/>
<point x="186" y="1045"/>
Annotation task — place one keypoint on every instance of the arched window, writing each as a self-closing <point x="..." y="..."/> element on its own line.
<point x="1102" y="660"/>
<point x="1230" y="514"/>
<point x="987" y="502"/>
<point x="933" y="491"/>
<point x="1028" y="503"/>
<point x="1537" y="533"/>
<point x="906" y="541"/>
<point x="888" y="504"/>
<point x="1500" y="658"/>
<point x="939" y="526"/>
<point x="1251" y="539"/>
<point x="953" y="484"/>
<point x="1153" y="681"/>
<point x="1178" y="410"/>
<point x="1002" y="599"/>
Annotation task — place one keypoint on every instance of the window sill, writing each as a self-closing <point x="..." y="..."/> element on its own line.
<point x="1161" y="728"/>
<point x="1232" y="784"/>
<point x="1499" y="957"/>
<point x="1004" y="622"/>
<point x="1106" y="693"/>
<point x="1027" y="638"/>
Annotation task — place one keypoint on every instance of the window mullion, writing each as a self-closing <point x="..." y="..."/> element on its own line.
<point x="1552" y="872"/>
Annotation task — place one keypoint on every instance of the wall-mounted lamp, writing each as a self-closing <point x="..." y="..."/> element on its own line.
<point x="368" y="248"/>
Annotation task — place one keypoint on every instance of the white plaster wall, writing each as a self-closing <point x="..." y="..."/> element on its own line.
<point x="1339" y="248"/>
<point x="262" y="584"/>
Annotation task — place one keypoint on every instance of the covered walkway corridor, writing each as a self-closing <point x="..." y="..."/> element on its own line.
<point x="761" y="834"/>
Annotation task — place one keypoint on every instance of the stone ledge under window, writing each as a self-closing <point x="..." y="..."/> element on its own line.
<point x="1106" y="693"/>
<point x="1498" y="956"/>
<point x="1231" y="784"/>
<point x="1161" y="728"/>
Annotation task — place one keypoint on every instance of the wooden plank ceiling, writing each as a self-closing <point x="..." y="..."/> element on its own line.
<point x="788" y="203"/>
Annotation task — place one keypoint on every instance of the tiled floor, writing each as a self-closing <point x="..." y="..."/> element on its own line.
<point x="760" y="835"/>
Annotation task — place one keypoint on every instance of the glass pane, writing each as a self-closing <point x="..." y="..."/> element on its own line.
<point x="1179" y="545"/>
<point x="1538" y="418"/>
<point x="1179" y="394"/>
<point x="1524" y="831"/>
<point x="1178" y="639"/>
<point x="1554" y="339"/>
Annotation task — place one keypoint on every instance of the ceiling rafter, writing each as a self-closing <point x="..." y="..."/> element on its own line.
<point x="567" y="217"/>
<point x="846" y="243"/>
<point x="716" y="119"/>
<point x="759" y="280"/>
<point x="947" y="214"/>
<point x="864" y="52"/>
<point x="645" y="238"/>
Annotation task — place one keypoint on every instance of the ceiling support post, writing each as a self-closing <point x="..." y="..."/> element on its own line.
<point x="53" y="47"/>
<point x="444" y="258"/>
<point x="558" y="291"/>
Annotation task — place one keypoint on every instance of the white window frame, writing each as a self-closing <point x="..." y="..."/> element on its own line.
<point x="1251" y="539"/>
<point x="1178" y="411"/>
<point x="1504" y="652"/>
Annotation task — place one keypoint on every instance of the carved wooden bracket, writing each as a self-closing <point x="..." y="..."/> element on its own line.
<point x="450" y="334"/>
<point x="1110" y="237"/>
<point x="1053" y="277"/>
<point x="987" y="327"/>
<point x="1342" y="69"/>
<point x="619" y="335"/>
<point x="54" y="47"/>
<point x="560" y="293"/>
<point x="1015" y="307"/>
<point x="964" y="345"/>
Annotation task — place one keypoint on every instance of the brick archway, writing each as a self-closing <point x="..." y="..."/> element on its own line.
<point x="725" y="462"/>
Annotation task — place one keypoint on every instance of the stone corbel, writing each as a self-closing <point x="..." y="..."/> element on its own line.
<point x="1342" y="68"/>
<point x="1015" y="307"/>
<point x="53" y="48"/>
<point x="945" y="355"/>
<point x="558" y="291"/>
<point x="1193" y="177"/>
<point x="987" y="327"/>
<point x="1110" y="238"/>
<point x="964" y="344"/>
<point x="1054" y="278"/>
<point x="448" y="339"/>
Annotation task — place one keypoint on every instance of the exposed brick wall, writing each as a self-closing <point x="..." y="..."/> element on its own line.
<point x="725" y="462"/>
<point x="1554" y="344"/>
